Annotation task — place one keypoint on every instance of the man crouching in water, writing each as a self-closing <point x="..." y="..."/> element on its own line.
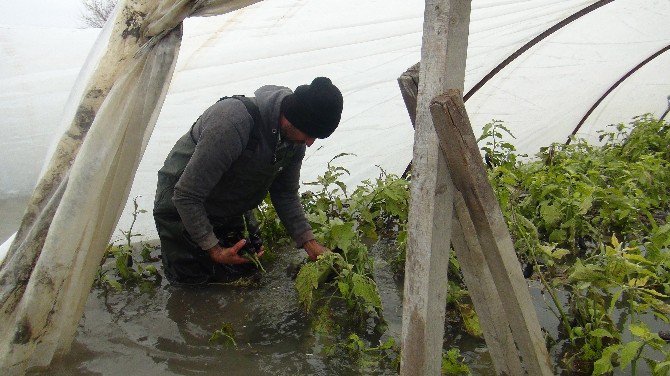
<point x="217" y="173"/>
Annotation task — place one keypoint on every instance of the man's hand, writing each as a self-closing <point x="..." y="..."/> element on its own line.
<point x="314" y="249"/>
<point x="230" y="255"/>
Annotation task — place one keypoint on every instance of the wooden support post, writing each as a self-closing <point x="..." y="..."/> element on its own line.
<point x="409" y="88"/>
<point x="483" y="292"/>
<point x="458" y="143"/>
<point x="476" y="273"/>
<point x="443" y="55"/>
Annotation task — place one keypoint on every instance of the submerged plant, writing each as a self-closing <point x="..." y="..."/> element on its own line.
<point x="332" y="278"/>
<point x="616" y="277"/>
<point x="129" y="270"/>
<point x="341" y="283"/>
<point x="624" y="355"/>
<point x="453" y="363"/>
<point x="252" y="246"/>
<point x="368" y="358"/>
<point x="225" y="335"/>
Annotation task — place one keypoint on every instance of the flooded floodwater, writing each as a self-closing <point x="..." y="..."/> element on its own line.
<point x="167" y="331"/>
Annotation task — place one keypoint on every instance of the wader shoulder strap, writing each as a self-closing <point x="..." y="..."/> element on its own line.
<point x="255" y="113"/>
<point x="252" y="109"/>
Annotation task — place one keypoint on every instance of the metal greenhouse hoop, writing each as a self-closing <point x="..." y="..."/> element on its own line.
<point x="532" y="43"/>
<point x="614" y="86"/>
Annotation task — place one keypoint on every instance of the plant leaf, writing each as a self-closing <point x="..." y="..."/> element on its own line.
<point x="366" y="289"/>
<point x="600" y="333"/>
<point x="629" y="352"/>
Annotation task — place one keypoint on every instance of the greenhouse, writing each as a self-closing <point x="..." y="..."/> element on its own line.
<point x="563" y="103"/>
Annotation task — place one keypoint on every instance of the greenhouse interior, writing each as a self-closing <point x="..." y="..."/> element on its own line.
<point x="568" y="103"/>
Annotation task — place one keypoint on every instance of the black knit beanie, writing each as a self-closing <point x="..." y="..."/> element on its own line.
<point x="314" y="109"/>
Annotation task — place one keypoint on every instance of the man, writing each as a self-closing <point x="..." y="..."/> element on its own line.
<point x="234" y="154"/>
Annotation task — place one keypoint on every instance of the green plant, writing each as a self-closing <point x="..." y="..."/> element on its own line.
<point x="497" y="152"/>
<point x="225" y="335"/>
<point x="128" y="270"/>
<point x="344" y="220"/>
<point x="329" y="198"/>
<point x="272" y="231"/>
<point x="563" y="206"/>
<point x="578" y="194"/>
<point x="628" y="354"/>
<point x="617" y="275"/>
<point x="368" y="358"/>
<point x="380" y="204"/>
<point x="251" y="247"/>
<point x="453" y="363"/>
<point x="332" y="278"/>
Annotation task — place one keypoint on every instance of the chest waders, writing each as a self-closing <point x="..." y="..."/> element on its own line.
<point x="240" y="189"/>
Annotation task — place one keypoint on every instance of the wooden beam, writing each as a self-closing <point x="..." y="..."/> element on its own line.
<point x="458" y="143"/>
<point x="476" y="273"/>
<point x="443" y="55"/>
<point x="483" y="292"/>
<point x="409" y="89"/>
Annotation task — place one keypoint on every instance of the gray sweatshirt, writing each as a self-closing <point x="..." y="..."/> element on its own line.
<point x="228" y="175"/>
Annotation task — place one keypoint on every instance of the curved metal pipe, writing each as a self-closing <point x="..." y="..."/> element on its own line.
<point x="533" y="42"/>
<point x="614" y="86"/>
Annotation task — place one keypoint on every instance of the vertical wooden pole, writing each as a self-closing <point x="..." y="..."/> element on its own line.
<point x="443" y="56"/>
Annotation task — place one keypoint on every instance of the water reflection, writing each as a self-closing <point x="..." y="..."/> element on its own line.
<point x="167" y="331"/>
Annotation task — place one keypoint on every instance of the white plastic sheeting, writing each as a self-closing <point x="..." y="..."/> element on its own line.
<point x="544" y="94"/>
<point x="38" y="67"/>
<point x="363" y="47"/>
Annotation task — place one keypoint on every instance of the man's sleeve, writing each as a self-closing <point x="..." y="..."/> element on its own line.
<point x="225" y="133"/>
<point x="286" y="200"/>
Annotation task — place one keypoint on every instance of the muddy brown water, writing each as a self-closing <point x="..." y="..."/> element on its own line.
<point x="166" y="332"/>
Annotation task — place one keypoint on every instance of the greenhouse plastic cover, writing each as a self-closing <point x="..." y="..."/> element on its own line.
<point x="363" y="47"/>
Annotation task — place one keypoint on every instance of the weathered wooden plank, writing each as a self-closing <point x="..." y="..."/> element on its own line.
<point x="444" y="48"/>
<point x="458" y="142"/>
<point x="483" y="292"/>
<point x="409" y="89"/>
<point x="475" y="270"/>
